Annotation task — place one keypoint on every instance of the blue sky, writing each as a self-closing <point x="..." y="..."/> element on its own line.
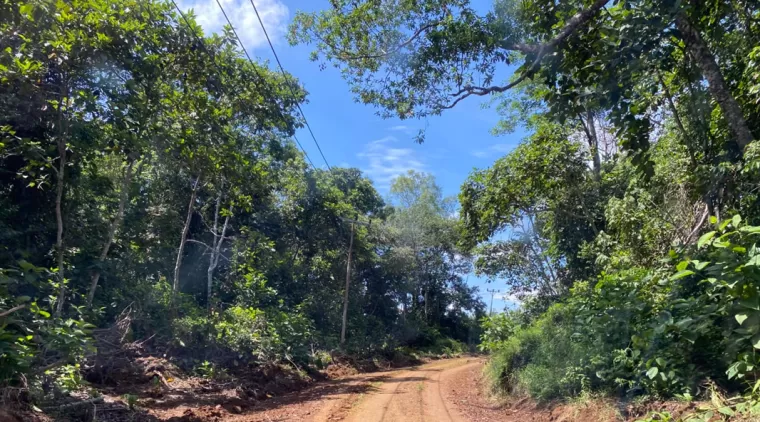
<point x="350" y="133"/>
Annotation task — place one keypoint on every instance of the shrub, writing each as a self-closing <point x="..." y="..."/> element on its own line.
<point x="659" y="331"/>
<point x="34" y="345"/>
<point x="497" y="329"/>
<point x="267" y="336"/>
<point x="542" y="360"/>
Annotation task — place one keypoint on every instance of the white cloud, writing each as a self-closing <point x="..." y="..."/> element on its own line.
<point x="502" y="147"/>
<point x="406" y="130"/>
<point x="385" y="163"/>
<point x="508" y="297"/>
<point x="273" y="13"/>
<point x="496" y="149"/>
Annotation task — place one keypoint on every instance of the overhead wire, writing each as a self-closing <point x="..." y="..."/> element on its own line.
<point x="261" y="78"/>
<point x="284" y="74"/>
<point x="219" y="69"/>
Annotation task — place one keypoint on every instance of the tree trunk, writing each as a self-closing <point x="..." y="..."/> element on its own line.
<point x="677" y="117"/>
<point x="345" y="294"/>
<point x="59" y="223"/>
<point x="426" y="303"/>
<point x="183" y="239"/>
<point x="716" y="83"/>
<point x="215" y="233"/>
<point x="95" y="277"/>
<point x="63" y="134"/>
<point x="216" y="250"/>
<point x="594" y="145"/>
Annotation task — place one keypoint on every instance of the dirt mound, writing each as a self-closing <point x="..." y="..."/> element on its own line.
<point x="344" y="365"/>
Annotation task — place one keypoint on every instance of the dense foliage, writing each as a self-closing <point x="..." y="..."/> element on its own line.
<point x="627" y="220"/>
<point x="147" y="170"/>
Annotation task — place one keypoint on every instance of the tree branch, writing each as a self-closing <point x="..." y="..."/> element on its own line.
<point x="540" y="50"/>
<point x="200" y="243"/>
<point x="349" y="55"/>
<point x="12" y="310"/>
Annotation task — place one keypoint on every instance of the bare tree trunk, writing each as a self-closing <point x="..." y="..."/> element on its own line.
<point x="95" y="277"/>
<point x="426" y="302"/>
<point x="594" y="145"/>
<point x="63" y="127"/>
<point x="59" y="222"/>
<point x="215" y="233"/>
<point x="545" y="265"/>
<point x="216" y="250"/>
<point x="345" y="294"/>
<point x="716" y="83"/>
<point x="183" y="239"/>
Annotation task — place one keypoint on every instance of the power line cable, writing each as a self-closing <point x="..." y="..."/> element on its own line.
<point x="219" y="69"/>
<point x="282" y="69"/>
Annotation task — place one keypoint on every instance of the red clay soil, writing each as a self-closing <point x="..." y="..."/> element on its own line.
<point x="463" y="388"/>
<point x="449" y="390"/>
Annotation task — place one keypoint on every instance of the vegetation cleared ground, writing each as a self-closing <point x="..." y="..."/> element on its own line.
<point x="447" y="390"/>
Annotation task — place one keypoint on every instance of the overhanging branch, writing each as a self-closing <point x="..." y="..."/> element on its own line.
<point x="540" y="50"/>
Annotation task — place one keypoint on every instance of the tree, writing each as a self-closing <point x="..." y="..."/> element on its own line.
<point x="413" y="59"/>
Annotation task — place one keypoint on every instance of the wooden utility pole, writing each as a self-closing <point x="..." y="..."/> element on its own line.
<point x="348" y="277"/>
<point x="348" y="282"/>
<point x="493" y="292"/>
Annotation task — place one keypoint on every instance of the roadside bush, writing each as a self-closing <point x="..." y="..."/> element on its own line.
<point x="659" y="331"/>
<point x="267" y="336"/>
<point x="35" y="346"/>
<point x="447" y="347"/>
<point x="542" y="360"/>
<point x="497" y="329"/>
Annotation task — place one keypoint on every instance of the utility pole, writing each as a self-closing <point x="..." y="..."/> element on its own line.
<point x="345" y="294"/>
<point x="348" y="278"/>
<point x="493" y="292"/>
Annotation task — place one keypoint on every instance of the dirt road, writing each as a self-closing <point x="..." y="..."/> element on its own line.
<point x="448" y="390"/>
<point x="429" y="392"/>
<point x="412" y="396"/>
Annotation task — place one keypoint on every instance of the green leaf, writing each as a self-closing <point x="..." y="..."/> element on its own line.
<point x="26" y="9"/>
<point x="726" y="411"/>
<point x="736" y="220"/>
<point x="705" y="238"/>
<point x="713" y="219"/>
<point x="749" y="303"/>
<point x="652" y="372"/>
<point x="750" y="229"/>
<point x="756" y="341"/>
<point x="740" y="318"/>
<point x="682" y="265"/>
<point x="681" y="274"/>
